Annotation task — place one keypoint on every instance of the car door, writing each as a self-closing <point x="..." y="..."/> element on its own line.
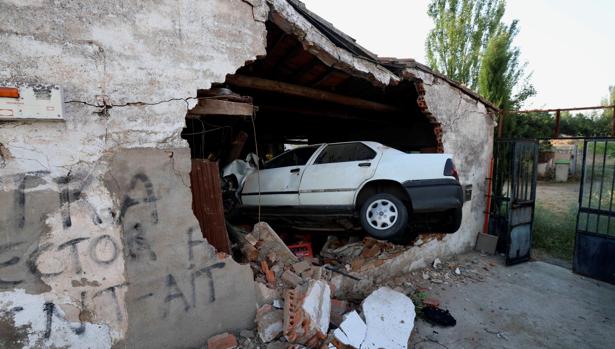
<point x="336" y="174"/>
<point x="277" y="183"/>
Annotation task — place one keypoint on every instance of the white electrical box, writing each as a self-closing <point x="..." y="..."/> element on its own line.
<point x="31" y="102"/>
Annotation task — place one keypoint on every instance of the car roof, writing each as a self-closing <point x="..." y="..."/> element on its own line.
<point x="370" y="143"/>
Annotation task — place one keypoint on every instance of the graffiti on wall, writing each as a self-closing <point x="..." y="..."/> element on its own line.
<point x="138" y="219"/>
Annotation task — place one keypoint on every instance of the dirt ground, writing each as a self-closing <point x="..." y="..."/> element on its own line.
<point x="530" y="305"/>
<point x="557" y="197"/>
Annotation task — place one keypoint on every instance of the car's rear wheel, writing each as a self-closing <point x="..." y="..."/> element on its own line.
<point x="384" y="216"/>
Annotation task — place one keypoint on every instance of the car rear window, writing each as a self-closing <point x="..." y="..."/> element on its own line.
<point x="345" y="152"/>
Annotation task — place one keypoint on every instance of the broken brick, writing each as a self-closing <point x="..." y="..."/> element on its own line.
<point x="269" y="275"/>
<point x="291" y="278"/>
<point x="371" y="251"/>
<point x="431" y="302"/>
<point x="357" y="264"/>
<point x="306" y="315"/>
<point x="301" y="266"/>
<point x="369" y="242"/>
<point x="338" y="309"/>
<point x="222" y="341"/>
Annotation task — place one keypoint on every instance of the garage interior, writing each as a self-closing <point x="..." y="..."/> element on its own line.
<point x="290" y="96"/>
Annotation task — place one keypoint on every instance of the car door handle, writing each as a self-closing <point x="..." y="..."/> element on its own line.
<point x="365" y="164"/>
<point x="295" y="170"/>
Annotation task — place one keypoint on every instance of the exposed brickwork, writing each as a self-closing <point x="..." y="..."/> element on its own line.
<point x="422" y="104"/>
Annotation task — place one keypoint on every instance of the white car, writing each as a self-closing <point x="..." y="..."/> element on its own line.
<point x="356" y="184"/>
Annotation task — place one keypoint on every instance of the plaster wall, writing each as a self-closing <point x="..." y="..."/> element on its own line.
<point x="467" y="134"/>
<point x="98" y="243"/>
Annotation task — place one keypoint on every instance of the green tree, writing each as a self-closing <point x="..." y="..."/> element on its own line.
<point x="528" y="125"/>
<point x="501" y="73"/>
<point x="462" y="30"/>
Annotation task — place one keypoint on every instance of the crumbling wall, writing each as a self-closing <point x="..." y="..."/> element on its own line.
<point x="466" y="131"/>
<point x="99" y="243"/>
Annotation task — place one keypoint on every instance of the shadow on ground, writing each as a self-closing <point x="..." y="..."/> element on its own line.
<point x="530" y="305"/>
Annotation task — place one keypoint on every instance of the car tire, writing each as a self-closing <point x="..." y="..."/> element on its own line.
<point x="455" y="216"/>
<point x="384" y="216"/>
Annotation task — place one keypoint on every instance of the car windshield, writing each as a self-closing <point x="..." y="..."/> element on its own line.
<point x="294" y="157"/>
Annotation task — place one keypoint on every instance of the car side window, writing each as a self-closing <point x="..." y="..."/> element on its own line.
<point x="345" y="152"/>
<point x="295" y="157"/>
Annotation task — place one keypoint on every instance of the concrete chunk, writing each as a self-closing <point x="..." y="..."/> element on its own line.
<point x="301" y="266"/>
<point x="264" y="294"/>
<point x="317" y="304"/>
<point x="291" y="278"/>
<point x="271" y="242"/>
<point x="269" y="323"/>
<point x="352" y="330"/>
<point x="389" y="316"/>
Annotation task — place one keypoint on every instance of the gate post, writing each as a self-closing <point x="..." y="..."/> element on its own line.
<point x="557" y="118"/>
<point x="501" y="124"/>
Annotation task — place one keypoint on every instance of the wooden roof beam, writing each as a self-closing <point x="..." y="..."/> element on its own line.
<point x="307" y="92"/>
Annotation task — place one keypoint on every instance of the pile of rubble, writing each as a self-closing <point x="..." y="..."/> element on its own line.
<point x="361" y="255"/>
<point x="296" y="303"/>
<point x="300" y="303"/>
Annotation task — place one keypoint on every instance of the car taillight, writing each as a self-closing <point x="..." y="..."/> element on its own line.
<point x="450" y="169"/>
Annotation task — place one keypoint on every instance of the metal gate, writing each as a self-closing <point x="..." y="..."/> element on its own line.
<point x="594" y="251"/>
<point x="514" y="188"/>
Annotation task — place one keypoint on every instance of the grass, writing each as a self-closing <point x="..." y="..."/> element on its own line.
<point x="554" y="232"/>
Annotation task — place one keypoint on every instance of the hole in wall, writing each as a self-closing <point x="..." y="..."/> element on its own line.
<point x="292" y="97"/>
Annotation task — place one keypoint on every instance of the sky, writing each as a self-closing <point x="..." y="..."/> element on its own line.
<point x="569" y="45"/>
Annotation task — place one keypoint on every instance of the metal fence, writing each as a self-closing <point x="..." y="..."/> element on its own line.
<point x="594" y="253"/>
<point x="514" y="188"/>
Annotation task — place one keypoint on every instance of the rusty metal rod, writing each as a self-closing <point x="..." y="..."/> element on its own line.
<point x="557" y="120"/>
<point x="501" y="123"/>
<point x="558" y="109"/>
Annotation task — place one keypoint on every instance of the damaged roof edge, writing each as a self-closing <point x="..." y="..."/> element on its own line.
<point x="318" y="41"/>
<point x="409" y="63"/>
<point x="336" y="49"/>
